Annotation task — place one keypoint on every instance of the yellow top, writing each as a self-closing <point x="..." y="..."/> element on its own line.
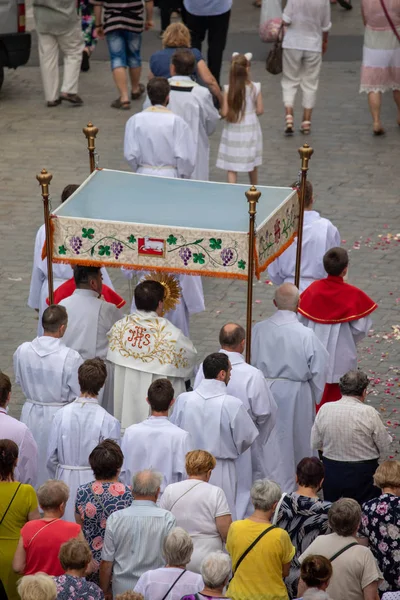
<point x="259" y="576"/>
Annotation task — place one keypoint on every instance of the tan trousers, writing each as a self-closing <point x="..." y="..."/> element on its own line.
<point x="300" y="68"/>
<point x="71" y="45"/>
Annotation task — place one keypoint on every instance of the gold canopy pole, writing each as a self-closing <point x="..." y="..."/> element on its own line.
<point x="44" y="179"/>
<point x="90" y="132"/>
<point x="252" y="196"/>
<point x="305" y="153"/>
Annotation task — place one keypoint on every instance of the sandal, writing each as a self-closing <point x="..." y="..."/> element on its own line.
<point x="305" y="127"/>
<point x="52" y="103"/>
<point x="380" y="131"/>
<point x="136" y="95"/>
<point x="121" y="105"/>
<point x="345" y="4"/>
<point x="289" y="125"/>
<point x="74" y="99"/>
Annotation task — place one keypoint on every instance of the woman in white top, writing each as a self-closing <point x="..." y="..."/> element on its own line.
<point x="199" y="507"/>
<point x="307" y="23"/>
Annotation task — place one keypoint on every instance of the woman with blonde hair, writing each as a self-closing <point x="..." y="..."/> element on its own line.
<point x="241" y="144"/>
<point x="37" y="587"/>
<point x="199" y="507"/>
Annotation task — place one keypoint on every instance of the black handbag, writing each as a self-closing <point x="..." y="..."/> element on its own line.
<point x="274" y="58"/>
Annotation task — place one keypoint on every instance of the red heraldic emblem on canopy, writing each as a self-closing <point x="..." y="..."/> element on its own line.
<point x="148" y="246"/>
<point x="67" y="288"/>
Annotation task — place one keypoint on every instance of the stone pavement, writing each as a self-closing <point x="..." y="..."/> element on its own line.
<point x="355" y="177"/>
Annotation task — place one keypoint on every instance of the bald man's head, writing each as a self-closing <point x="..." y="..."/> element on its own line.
<point x="232" y="337"/>
<point x="287" y="297"/>
<point x="146" y="484"/>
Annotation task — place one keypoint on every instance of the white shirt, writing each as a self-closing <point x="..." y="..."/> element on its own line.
<point x="307" y="19"/>
<point x="349" y="430"/>
<point x="12" y="429"/>
<point x="153" y="585"/>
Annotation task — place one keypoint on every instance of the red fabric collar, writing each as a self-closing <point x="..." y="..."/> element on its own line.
<point x="332" y="300"/>
<point x="67" y="288"/>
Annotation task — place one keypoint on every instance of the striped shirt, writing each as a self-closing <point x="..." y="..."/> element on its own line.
<point x="133" y="542"/>
<point x="122" y="15"/>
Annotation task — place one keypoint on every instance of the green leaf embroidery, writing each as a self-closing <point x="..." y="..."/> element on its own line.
<point x="131" y="239"/>
<point x="242" y="264"/>
<point x="104" y="250"/>
<point x="199" y="258"/>
<point x="92" y="250"/>
<point x="171" y="240"/>
<point x="198" y="241"/>
<point x="215" y="244"/>
<point x="88" y="233"/>
<point x="62" y="249"/>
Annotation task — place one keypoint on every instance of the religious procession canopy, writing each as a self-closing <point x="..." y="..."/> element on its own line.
<point x="119" y="219"/>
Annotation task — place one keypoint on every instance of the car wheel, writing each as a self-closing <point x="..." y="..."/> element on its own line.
<point x="1" y="76"/>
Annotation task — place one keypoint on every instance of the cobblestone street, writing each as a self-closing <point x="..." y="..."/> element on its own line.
<point x="355" y="177"/>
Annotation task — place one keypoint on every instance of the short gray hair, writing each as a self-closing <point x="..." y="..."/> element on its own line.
<point x="52" y="494"/>
<point x="215" y="569"/>
<point x="353" y="383"/>
<point x="146" y="483"/>
<point x="177" y="547"/>
<point x="286" y="297"/>
<point x="264" y="494"/>
<point x="344" y="516"/>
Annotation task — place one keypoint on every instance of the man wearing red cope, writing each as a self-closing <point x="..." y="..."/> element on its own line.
<point x="67" y="288"/>
<point x="339" y="315"/>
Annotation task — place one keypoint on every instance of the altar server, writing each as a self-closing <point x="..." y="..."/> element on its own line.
<point x="39" y="289"/>
<point x="156" y="443"/>
<point x="158" y="142"/>
<point x="144" y="347"/>
<point x="47" y="371"/>
<point x="248" y="384"/>
<point x="338" y="313"/>
<point x="319" y="235"/>
<point x="77" y="429"/>
<point x="295" y="364"/>
<point x="194" y="103"/>
<point x="217" y="422"/>
<point x="12" y="429"/>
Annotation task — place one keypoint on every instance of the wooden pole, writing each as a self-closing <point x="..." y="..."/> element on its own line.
<point x="305" y="153"/>
<point x="252" y="196"/>
<point x="44" y="179"/>
<point x="90" y="132"/>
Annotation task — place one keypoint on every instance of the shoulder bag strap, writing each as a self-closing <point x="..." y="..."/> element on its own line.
<point x="245" y="553"/>
<point x="9" y="504"/>
<point x="187" y="491"/>
<point x="174" y="584"/>
<point x="332" y="558"/>
<point x="276" y="513"/>
<point x="392" y="25"/>
<point x="41" y="529"/>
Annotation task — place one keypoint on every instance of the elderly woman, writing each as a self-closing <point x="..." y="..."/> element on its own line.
<point x="41" y="539"/>
<point x="355" y="573"/>
<point x="380" y="523"/>
<point x="97" y="500"/>
<point x="75" y="557"/>
<point x="18" y="504"/>
<point x="37" y="587"/>
<point x="303" y="515"/>
<point x="199" y="507"/>
<point x="261" y="553"/>
<point x="173" y="580"/>
<point x="316" y="573"/>
<point x="215" y="570"/>
<point x="177" y="35"/>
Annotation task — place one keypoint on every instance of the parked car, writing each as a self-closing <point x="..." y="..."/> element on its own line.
<point x="15" y="42"/>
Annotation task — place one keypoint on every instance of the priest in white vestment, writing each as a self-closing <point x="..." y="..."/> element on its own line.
<point x="191" y="299"/>
<point x="295" y="365"/>
<point x="12" y="429"/>
<point x="158" y="142"/>
<point x="249" y="385"/>
<point x="144" y="347"/>
<point x="218" y="423"/>
<point x="194" y="103"/>
<point x="156" y="443"/>
<point x="47" y="371"/>
<point x="77" y="429"/>
<point x="89" y="320"/>
<point x="319" y="236"/>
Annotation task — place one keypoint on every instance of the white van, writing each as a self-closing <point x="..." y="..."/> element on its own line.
<point x="15" y="43"/>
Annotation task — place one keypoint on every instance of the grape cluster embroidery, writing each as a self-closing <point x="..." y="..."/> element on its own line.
<point x="76" y="244"/>
<point x="227" y="256"/>
<point x="116" y="249"/>
<point x="185" y="253"/>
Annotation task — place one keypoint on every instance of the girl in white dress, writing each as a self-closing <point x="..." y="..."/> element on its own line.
<point x="241" y="144"/>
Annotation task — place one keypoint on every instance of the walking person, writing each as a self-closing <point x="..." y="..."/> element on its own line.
<point x="86" y="13"/>
<point x="307" y="23"/>
<point x="58" y="28"/>
<point x="122" y="24"/>
<point x="380" y="70"/>
<point x="241" y="145"/>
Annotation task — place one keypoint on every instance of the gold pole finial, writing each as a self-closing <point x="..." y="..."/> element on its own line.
<point x="306" y="153"/>
<point x="252" y="196"/>
<point x="91" y="132"/>
<point x="44" y="179"/>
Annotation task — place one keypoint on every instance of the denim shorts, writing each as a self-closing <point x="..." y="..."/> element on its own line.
<point x="124" y="48"/>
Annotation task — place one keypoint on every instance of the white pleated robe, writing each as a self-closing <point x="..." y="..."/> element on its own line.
<point x="319" y="236"/>
<point x="295" y="365"/>
<point x="220" y="424"/>
<point x="249" y="385"/>
<point x="76" y="430"/>
<point x="158" y="142"/>
<point x="12" y="429"/>
<point x="47" y="371"/>
<point x="158" y="444"/>
<point x="39" y="288"/>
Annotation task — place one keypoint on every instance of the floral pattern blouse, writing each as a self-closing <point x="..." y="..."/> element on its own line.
<point x="380" y="523"/>
<point x="95" y="502"/>
<point x="77" y="588"/>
